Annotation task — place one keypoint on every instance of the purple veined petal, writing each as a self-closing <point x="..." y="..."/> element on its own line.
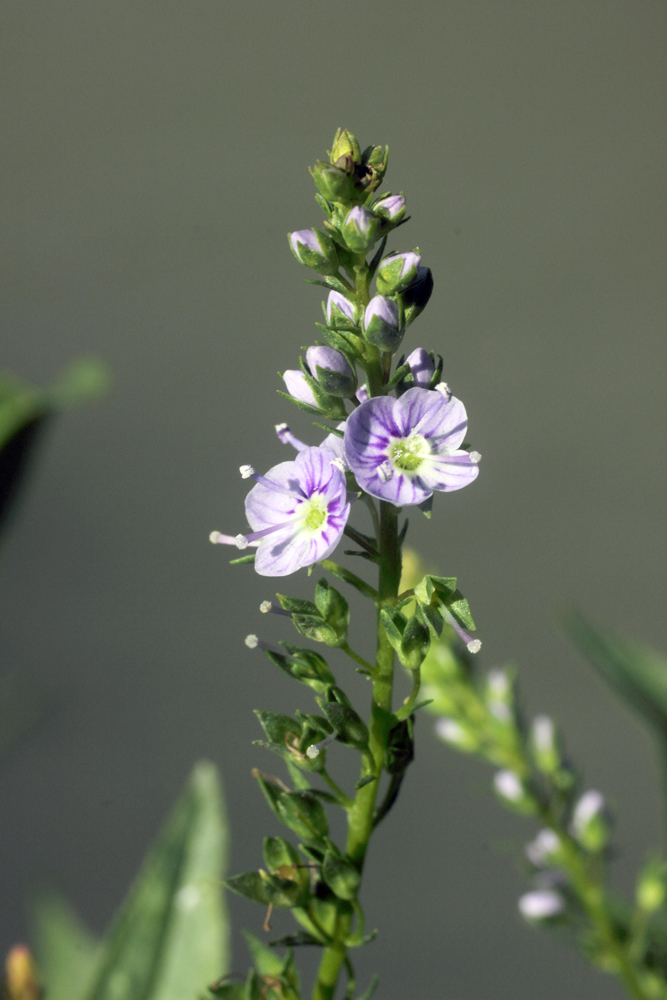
<point x="449" y="472"/>
<point x="368" y="432"/>
<point x="314" y="471"/>
<point x="293" y="547"/>
<point x="264" y="507"/>
<point x="442" y="422"/>
<point x="399" y="489"/>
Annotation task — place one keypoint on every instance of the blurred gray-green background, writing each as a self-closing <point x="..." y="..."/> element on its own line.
<point x="154" y="155"/>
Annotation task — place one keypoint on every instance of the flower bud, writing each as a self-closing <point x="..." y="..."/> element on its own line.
<point x="513" y="792"/>
<point x="391" y="208"/>
<point x="332" y="370"/>
<point x="499" y="695"/>
<point x="345" y="144"/>
<point x="297" y="386"/>
<point x="335" y="182"/>
<point x="398" y="271"/>
<point x="651" y="890"/>
<point x="457" y="735"/>
<point x="544" y="849"/>
<point x="383" y="326"/>
<point x="422" y="366"/>
<point x="360" y="229"/>
<point x="545" y="744"/>
<point x="415" y="297"/>
<point x="340" y="311"/>
<point x="541" y="905"/>
<point x="315" y="250"/>
<point x="21" y="981"/>
<point x="589" y="822"/>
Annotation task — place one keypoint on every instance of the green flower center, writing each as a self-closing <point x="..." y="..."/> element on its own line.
<point x="408" y="454"/>
<point x="315" y="513"/>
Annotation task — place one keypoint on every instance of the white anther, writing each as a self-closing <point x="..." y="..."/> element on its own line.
<point x="241" y="542"/>
<point x="443" y="388"/>
<point x="281" y="427"/>
<point x="246" y="471"/>
<point x="385" y="472"/>
<point x="508" y="784"/>
<point x="338" y="463"/>
<point x="475" y="457"/>
<point x="251" y="641"/>
<point x="474" y="646"/>
<point x="541" y="905"/>
<point x="213" y="537"/>
<point x="313" y="751"/>
<point x="265" y="607"/>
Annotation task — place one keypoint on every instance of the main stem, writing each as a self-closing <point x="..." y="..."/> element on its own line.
<point x="360" y="816"/>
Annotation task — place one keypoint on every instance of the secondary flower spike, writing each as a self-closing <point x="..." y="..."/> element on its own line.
<point x="297" y="511"/>
<point x="402" y="450"/>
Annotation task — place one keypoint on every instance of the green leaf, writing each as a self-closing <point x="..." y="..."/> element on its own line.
<point x="314" y="628"/>
<point x="169" y="940"/>
<point x="266" y="962"/>
<point x="66" y="951"/>
<point x="296" y="605"/>
<point x="84" y="380"/>
<point x="250" y="885"/>
<point x="636" y="672"/>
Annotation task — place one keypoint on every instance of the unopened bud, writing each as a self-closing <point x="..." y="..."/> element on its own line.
<point x="589" y="822"/>
<point x="383" y="326"/>
<point x="457" y="735"/>
<point x="360" y="229"/>
<point x="544" y="849"/>
<point x="541" y="905"/>
<point x="651" y="890"/>
<point x="398" y="271"/>
<point x="510" y="788"/>
<point x="314" y="249"/>
<point x="545" y="744"/>
<point x="297" y="386"/>
<point x="391" y="208"/>
<point x="340" y="311"/>
<point x="422" y="369"/>
<point x="416" y="296"/>
<point x="332" y="370"/>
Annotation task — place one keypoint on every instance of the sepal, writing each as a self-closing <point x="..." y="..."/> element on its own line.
<point x="315" y="250"/>
<point x="301" y="811"/>
<point x="349" y="727"/>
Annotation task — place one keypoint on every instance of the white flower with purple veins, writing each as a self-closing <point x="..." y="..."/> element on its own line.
<point x="297" y="512"/>
<point x="402" y="450"/>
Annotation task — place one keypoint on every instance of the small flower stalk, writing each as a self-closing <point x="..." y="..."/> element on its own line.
<point x="395" y="437"/>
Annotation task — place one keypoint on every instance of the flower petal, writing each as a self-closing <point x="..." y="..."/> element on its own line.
<point x="442" y="422"/>
<point x="450" y="472"/>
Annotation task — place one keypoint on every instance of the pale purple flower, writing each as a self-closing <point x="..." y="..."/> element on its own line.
<point x="336" y="375"/>
<point x="298" y="388"/>
<point x="508" y="785"/>
<point x="541" y="905"/>
<point x="382" y="323"/>
<point x="397" y="271"/>
<point x="391" y="207"/>
<point x="363" y="393"/>
<point x="297" y="512"/>
<point x="422" y="366"/>
<point x="360" y="229"/>
<point x="402" y="450"/>
<point x="340" y="311"/>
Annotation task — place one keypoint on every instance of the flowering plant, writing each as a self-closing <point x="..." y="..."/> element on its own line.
<point x="396" y="437"/>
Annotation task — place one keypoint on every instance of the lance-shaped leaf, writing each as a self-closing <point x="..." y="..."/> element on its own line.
<point x="300" y="811"/>
<point x="636" y="672"/>
<point x="169" y="941"/>
<point x="67" y="952"/>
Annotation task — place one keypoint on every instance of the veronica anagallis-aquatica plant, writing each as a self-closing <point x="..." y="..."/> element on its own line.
<point x="395" y="437"/>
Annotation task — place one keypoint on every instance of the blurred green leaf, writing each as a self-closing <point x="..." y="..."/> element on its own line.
<point x="636" y="672"/>
<point x="66" y="951"/>
<point x="25" y="410"/>
<point x="170" y="939"/>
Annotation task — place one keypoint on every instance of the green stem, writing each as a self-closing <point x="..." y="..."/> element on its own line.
<point x="409" y="702"/>
<point x="360" y="815"/>
<point x="367" y="667"/>
<point x="344" y="800"/>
